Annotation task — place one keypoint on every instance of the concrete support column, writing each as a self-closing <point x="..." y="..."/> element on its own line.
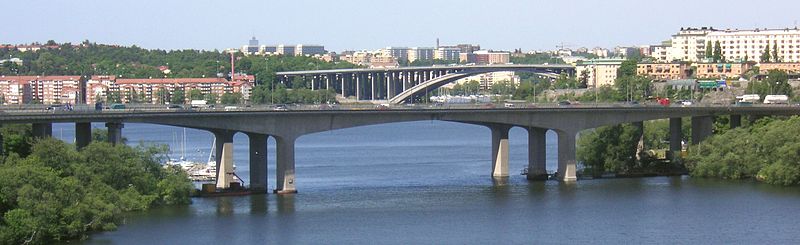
<point x="736" y="121"/>
<point x="285" y="167"/>
<point x="344" y="95"/>
<point x="389" y="83"/>
<point x="358" y="86"/>
<point x="537" y="150"/>
<point x="567" y="163"/>
<point x="702" y="127"/>
<point x="42" y="130"/>
<point x="258" y="162"/>
<point x="675" y="134"/>
<point x="500" y="150"/>
<point x="372" y="85"/>
<point x="114" y="133"/>
<point x="223" y="140"/>
<point x="83" y="134"/>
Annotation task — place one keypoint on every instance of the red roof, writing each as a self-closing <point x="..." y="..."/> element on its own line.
<point x="121" y="81"/>
<point x="27" y="79"/>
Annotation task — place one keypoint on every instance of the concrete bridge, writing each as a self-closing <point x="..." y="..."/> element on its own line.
<point x="398" y="85"/>
<point x="287" y="126"/>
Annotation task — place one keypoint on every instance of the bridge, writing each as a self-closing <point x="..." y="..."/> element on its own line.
<point x="398" y="85"/>
<point x="286" y="126"/>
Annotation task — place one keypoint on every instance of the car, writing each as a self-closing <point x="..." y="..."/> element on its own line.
<point x="382" y="107"/>
<point x="231" y="108"/>
<point x="564" y="103"/>
<point x="280" y="108"/>
<point x="174" y="107"/>
<point x="508" y="105"/>
<point x="686" y="102"/>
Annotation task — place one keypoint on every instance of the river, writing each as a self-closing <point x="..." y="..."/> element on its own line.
<point x="429" y="183"/>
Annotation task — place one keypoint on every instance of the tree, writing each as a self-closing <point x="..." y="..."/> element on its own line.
<point x="231" y="98"/>
<point x="584" y="79"/>
<point x="718" y="52"/>
<point x="709" y="50"/>
<point x="163" y="95"/>
<point x="765" y="57"/>
<point x="195" y="94"/>
<point x="211" y="98"/>
<point x="775" y="57"/>
<point x="178" y="97"/>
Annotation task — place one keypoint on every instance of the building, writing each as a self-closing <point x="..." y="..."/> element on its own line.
<point x="357" y="57"/>
<point x="736" y="45"/>
<point x="468" y="48"/>
<point x="600" y="52"/>
<point x="688" y="45"/>
<point x="308" y="50"/>
<point x="159" y="90"/>
<point x="285" y="50"/>
<point x="486" y="80"/>
<point x="791" y="68"/>
<point x="399" y="53"/>
<point x="251" y="48"/>
<point x="491" y="57"/>
<point x="447" y="53"/>
<point x="659" y="53"/>
<point x="663" y="71"/>
<point x="41" y="89"/>
<point x="268" y="49"/>
<point x="467" y="58"/>
<point x="382" y="61"/>
<point x="600" y="72"/>
<point x="722" y="70"/>
<point x="420" y="53"/>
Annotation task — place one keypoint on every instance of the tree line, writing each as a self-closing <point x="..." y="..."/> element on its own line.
<point x="51" y="192"/>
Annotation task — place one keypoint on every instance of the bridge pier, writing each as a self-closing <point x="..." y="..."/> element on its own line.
<point x="42" y="130"/>
<point x="702" y="127"/>
<point x="223" y="155"/>
<point x="258" y="162"/>
<point x="83" y="134"/>
<point x="500" y="150"/>
<point x="114" y="133"/>
<point x="736" y="121"/>
<point x="567" y="163"/>
<point x="537" y="154"/>
<point x="675" y="135"/>
<point x="285" y="165"/>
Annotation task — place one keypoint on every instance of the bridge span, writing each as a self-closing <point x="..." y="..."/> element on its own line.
<point x="398" y="85"/>
<point x="286" y="126"/>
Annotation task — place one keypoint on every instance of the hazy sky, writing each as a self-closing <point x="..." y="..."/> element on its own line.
<point x="372" y="24"/>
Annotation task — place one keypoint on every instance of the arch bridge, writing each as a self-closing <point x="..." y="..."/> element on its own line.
<point x="398" y="85"/>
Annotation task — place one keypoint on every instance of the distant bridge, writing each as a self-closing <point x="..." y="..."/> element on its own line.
<point x="398" y="85"/>
<point x="287" y="126"/>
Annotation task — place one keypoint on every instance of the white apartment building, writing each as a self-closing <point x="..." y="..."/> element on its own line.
<point x="736" y="45"/>
<point x="399" y="53"/>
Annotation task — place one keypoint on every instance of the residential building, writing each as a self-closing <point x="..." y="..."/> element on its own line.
<point x="492" y="57"/>
<point x="251" y="48"/>
<point x="600" y="52"/>
<point x="357" y="57"/>
<point x="420" y="53"/>
<point x="659" y="53"/>
<point x="43" y="89"/>
<point x="268" y="49"/>
<point x="383" y="61"/>
<point x="791" y="68"/>
<point x="399" y="53"/>
<point x="688" y="45"/>
<point x="147" y="90"/>
<point x="447" y="53"/>
<point x="722" y="70"/>
<point x="736" y="45"/>
<point x="663" y="71"/>
<point x="486" y="80"/>
<point x="467" y="58"/>
<point x="468" y="48"/>
<point x="600" y="72"/>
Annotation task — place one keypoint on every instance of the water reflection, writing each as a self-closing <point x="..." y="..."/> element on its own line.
<point x="224" y="206"/>
<point x="258" y="204"/>
<point x="285" y="204"/>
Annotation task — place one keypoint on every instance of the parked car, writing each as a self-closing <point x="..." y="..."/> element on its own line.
<point x="564" y="103"/>
<point x="280" y="107"/>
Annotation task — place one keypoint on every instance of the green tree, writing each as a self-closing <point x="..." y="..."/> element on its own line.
<point x="211" y="98"/>
<point x="709" y="54"/>
<point x="718" y="52"/>
<point x="195" y="94"/>
<point x="775" y="57"/>
<point x="178" y="97"/>
<point x="231" y="98"/>
<point x="765" y="57"/>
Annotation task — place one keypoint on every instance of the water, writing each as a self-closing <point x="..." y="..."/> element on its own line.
<point x="429" y="183"/>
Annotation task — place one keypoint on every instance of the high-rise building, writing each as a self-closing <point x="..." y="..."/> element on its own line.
<point x="399" y="53"/>
<point x="285" y="50"/>
<point x="690" y="44"/>
<point x="420" y="53"/>
<point x="251" y="48"/>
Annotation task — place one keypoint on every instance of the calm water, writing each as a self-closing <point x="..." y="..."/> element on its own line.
<point x="429" y="183"/>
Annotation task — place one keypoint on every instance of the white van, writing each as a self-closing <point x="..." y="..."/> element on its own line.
<point x="231" y="108"/>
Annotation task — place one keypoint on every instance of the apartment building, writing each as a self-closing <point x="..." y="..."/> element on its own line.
<point x="41" y="89"/>
<point x="447" y="53"/>
<point x="689" y="44"/>
<point x="792" y="68"/>
<point x="663" y="71"/>
<point x="492" y="57"/>
<point x="420" y="53"/>
<point x="146" y="90"/>
<point x="722" y="70"/>
<point x="600" y="72"/>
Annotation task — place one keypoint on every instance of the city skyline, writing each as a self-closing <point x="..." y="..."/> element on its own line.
<point x="360" y="24"/>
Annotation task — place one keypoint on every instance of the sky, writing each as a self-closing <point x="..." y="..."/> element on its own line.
<point x="373" y="24"/>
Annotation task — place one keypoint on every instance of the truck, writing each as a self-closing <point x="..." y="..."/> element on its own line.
<point x="752" y="98"/>
<point x="776" y="99"/>
<point x="199" y="104"/>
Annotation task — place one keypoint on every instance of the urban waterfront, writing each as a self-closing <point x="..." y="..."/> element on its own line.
<point x="429" y="182"/>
